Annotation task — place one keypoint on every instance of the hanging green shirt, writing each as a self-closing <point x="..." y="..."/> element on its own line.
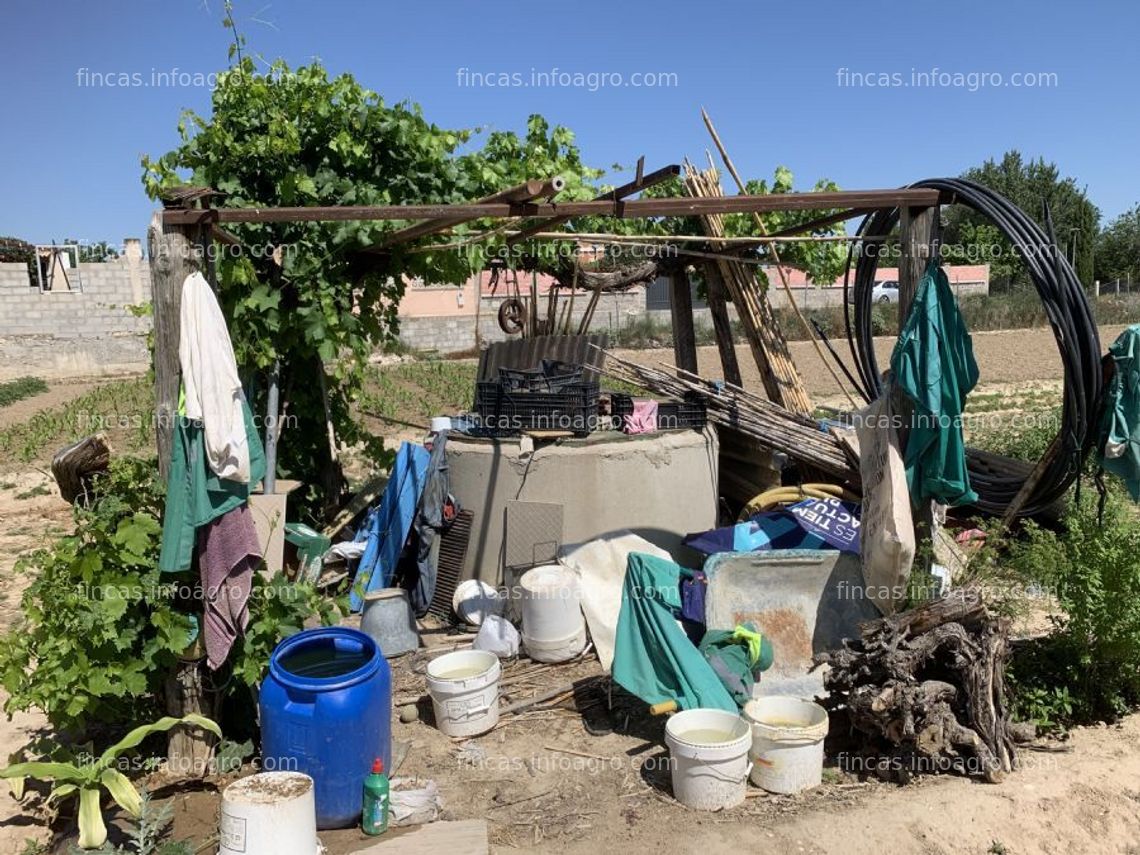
<point x="933" y="363"/>
<point x="195" y="495"/>
<point x="1119" y="449"/>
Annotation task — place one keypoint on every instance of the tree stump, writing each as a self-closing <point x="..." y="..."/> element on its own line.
<point x="924" y="690"/>
<point x="74" y="466"/>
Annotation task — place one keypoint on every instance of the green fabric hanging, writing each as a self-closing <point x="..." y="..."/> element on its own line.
<point x="195" y="495"/>
<point x="933" y="364"/>
<point x="1119" y="448"/>
<point x="653" y="658"/>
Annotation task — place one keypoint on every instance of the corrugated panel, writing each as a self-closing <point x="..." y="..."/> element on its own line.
<point x="529" y="352"/>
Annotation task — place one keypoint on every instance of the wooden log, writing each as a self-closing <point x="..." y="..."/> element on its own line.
<point x="172" y="255"/>
<point x="926" y="689"/>
<point x="189" y="751"/>
<point x="74" y="466"/>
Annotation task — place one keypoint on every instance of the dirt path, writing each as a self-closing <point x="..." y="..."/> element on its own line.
<point x="1006" y="357"/>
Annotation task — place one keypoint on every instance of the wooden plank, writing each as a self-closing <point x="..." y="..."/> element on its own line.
<point x="680" y="206"/>
<point x="364" y="497"/>
<point x="171" y="254"/>
<point x="681" y="307"/>
<point x="722" y="325"/>
<point x="462" y="837"/>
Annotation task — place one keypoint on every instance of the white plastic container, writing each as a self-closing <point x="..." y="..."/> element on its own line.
<point x="464" y="689"/>
<point x="708" y="753"/>
<point x="553" y="627"/>
<point x="269" y="812"/>
<point x="787" y="743"/>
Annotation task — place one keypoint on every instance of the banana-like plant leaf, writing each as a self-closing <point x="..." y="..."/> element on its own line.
<point x="61" y="791"/>
<point x="92" y="831"/>
<point x="136" y="736"/>
<point x="44" y="771"/>
<point x="122" y="791"/>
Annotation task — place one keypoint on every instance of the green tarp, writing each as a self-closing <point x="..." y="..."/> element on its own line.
<point x="653" y="658"/>
<point x="1120" y="423"/>
<point x="933" y="365"/>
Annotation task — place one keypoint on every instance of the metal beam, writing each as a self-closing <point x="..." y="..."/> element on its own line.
<point x="667" y="207"/>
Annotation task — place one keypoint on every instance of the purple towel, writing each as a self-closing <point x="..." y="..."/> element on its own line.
<point x="228" y="550"/>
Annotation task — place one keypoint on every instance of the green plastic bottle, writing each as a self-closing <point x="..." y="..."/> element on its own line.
<point x="374" y="818"/>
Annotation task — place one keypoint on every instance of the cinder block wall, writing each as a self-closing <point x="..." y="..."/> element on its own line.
<point x="456" y="333"/>
<point x="85" y="331"/>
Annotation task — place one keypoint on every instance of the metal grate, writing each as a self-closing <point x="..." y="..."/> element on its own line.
<point x="449" y="567"/>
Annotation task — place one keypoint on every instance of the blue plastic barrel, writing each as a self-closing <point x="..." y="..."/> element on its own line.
<point x="326" y="710"/>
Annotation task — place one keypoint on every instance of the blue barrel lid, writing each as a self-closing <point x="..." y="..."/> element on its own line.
<point x="342" y="638"/>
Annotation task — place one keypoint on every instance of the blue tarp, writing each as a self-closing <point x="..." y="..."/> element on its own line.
<point x="386" y="527"/>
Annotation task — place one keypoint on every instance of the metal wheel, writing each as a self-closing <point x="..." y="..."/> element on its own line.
<point x="512" y="316"/>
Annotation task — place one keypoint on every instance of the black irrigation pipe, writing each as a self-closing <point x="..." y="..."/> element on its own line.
<point x="1066" y="307"/>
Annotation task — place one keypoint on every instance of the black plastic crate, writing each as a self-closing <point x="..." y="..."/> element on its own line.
<point x="550" y="376"/>
<point x="504" y="412"/>
<point x="671" y="415"/>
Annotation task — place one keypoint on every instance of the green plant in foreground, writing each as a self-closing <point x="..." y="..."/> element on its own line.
<point x="146" y="834"/>
<point x="1088" y="668"/>
<point x="89" y="779"/>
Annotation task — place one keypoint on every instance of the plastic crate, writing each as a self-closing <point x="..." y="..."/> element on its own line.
<point x="671" y="415"/>
<point x="504" y="412"/>
<point x="550" y="376"/>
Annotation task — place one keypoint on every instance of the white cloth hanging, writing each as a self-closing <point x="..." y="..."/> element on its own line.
<point x="210" y="379"/>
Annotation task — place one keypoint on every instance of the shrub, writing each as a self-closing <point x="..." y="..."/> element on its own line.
<point x="101" y="626"/>
<point x="20" y="388"/>
<point x="1088" y="668"/>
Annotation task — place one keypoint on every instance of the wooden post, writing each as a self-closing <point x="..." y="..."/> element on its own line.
<point x="172" y="258"/>
<point x="681" y="306"/>
<point x="175" y="253"/>
<point x="916" y="239"/>
<point x="722" y="325"/>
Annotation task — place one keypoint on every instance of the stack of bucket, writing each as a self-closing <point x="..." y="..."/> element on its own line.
<point x="553" y="628"/>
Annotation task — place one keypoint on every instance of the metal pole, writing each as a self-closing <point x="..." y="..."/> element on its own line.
<point x="271" y="407"/>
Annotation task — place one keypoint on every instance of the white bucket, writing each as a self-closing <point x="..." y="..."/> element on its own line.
<point x="464" y="689"/>
<point x="269" y="812"/>
<point x="553" y="627"/>
<point x="787" y="743"/>
<point x="555" y="649"/>
<point x="708" y="751"/>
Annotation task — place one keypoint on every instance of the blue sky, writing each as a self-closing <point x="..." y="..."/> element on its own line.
<point x="781" y="80"/>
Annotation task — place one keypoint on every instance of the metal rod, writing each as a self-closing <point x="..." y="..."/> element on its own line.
<point x="663" y="207"/>
<point x="271" y="409"/>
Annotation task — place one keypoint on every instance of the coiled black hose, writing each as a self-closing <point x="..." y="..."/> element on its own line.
<point x="1066" y="307"/>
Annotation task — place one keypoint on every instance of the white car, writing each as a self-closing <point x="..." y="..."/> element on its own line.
<point x="885" y="292"/>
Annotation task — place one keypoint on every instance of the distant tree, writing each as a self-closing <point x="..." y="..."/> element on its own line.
<point x="1029" y="185"/>
<point x="96" y="252"/>
<point x="1118" y="249"/>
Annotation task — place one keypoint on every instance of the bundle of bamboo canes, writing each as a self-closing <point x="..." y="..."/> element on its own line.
<point x="782" y="381"/>
<point x="795" y="435"/>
